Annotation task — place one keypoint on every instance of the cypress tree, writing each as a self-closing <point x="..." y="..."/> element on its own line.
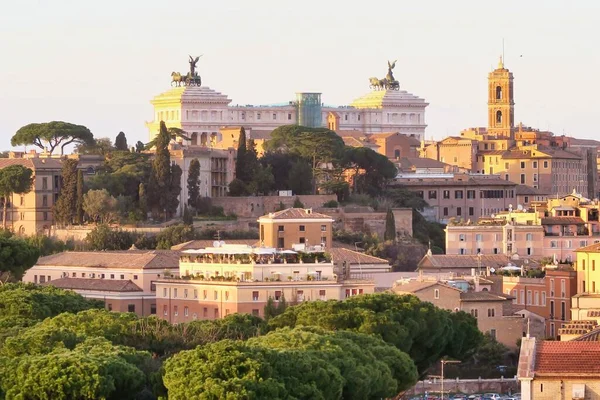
<point x="142" y="201"/>
<point x="65" y="208"/>
<point x="241" y="171"/>
<point x="187" y="216"/>
<point x="390" y="226"/>
<point x="121" y="142"/>
<point x="193" y="186"/>
<point x="174" y="189"/>
<point x="79" y="214"/>
<point x="160" y="179"/>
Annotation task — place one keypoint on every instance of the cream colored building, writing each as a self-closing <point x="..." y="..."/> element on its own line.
<point x="124" y="280"/>
<point x="31" y="213"/>
<point x="227" y="279"/>
<point x="202" y="111"/>
<point x="295" y="226"/>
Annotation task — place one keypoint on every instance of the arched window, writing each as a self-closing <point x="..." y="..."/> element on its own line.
<point x="203" y="139"/>
<point x="498" y="117"/>
<point x="195" y="139"/>
<point x="498" y="92"/>
<point x="397" y="153"/>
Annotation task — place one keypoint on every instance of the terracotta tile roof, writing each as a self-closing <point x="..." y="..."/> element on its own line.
<point x="202" y="244"/>
<point x="353" y="142"/>
<point x="296" y="213"/>
<point x="453" y="182"/>
<point x="417" y="286"/>
<point x="465" y="261"/>
<point x="562" y="221"/>
<point x="33" y="163"/>
<point x="482" y="296"/>
<point x="592" y="248"/>
<point x="528" y="190"/>
<point x="340" y="254"/>
<point x="567" y="358"/>
<point x="351" y="133"/>
<point x="101" y="285"/>
<point x="136" y="259"/>
<point x="418" y="162"/>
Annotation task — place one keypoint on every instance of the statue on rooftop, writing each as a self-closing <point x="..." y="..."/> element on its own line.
<point x="191" y="78"/>
<point x="387" y="83"/>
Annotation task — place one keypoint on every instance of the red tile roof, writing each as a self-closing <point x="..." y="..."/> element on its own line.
<point x="562" y="221"/>
<point x="101" y="285"/>
<point x="567" y="358"/>
<point x="482" y="296"/>
<point x="296" y="213"/>
<point x="592" y="248"/>
<point x="142" y="259"/>
<point x="33" y="163"/>
<point x="340" y="255"/>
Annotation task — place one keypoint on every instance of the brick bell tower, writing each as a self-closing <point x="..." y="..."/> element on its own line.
<point x="501" y="104"/>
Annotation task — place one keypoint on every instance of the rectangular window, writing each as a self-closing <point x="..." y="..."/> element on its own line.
<point x="436" y="293"/>
<point x="322" y="295"/>
<point x="226" y="295"/>
<point x="323" y="228"/>
<point x="185" y="293"/>
<point x="205" y="294"/>
<point x="44" y="183"/>
<point x="45" y="201"/>
<point x="255" y="296"/>
<point x="216" y="313"/>
<point x="302" y="228"/>
<point x="22" y="200"/>
<point x="130" y="307"/>
<point x="135" y="277"/>
<point x="432" y="194"/>
<point x="522" y="296"/>
<point x="522" y="164"/>
<point x="471" y="211"/>
<point x="205" y="312"/>
<point x="535" y="164"/>
<point x="458" y="194"/>
<point x="529" y="237"/>
<point x="493" y="333"/>
<point x="529" y="298"/>
<point x="45" y="214"/>
<point x="545" y="164"/>
<point x="543" y="298"/>
<point x="491" y="312"/>
<point x="446" y="194"/>
<point x="123" y="277"/>
<point x="195" y="293"/>
<point x="458" y="211"/>
<point x="536" y="298"/>
<point x="479" y="237"/>
<point x="462" y="237"/>
<point x="165" y="310"/>
<point x="186" y="311"/>
<point x="277" y="295"/>
<point x="280" y="228"/>
<point x="255" y="312"/>
<point x="522" y="179"/>
<point x="215" y="295"/>
<point x="289" y="117"/>
<point x="474" y="312"/>
<point x="445" y="211"/>
<point x="175" y="293"/>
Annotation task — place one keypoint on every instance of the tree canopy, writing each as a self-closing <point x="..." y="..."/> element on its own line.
<point x="65" y="208"/>
<point x="50" y="135"/>
<point x="16" y="256"/>
<point x="121" y="142"/>
<point x="13" y="179"/>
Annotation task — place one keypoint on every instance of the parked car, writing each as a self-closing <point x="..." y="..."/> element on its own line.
<point x="460" y="396"/>
<point x="476" y="397"/>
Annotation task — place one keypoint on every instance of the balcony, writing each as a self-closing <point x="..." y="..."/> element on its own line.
<point x="551" y="234"/>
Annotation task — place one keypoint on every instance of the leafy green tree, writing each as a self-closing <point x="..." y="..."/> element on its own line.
<point x="90" y="371"/>
<point x="390" y="226"/>
<point x="100" y="206"/>
<point x="297" y="203"/>
<point x="175" y="234"/>
<point x="65" y="208"/>
<point x="28" y="303"/>
<point x="319" y="146"/>
<point x="376" y="169"/>
<point x="47" y="245"/>
<point x="121" y="142"/>
<point x="13" y="179"/>
<point x="50" y="135"/>
<point x="300" y="177"/>
<point x="262" y="181"/>
<point x="193" y="185"/>
<point x="80" y="188"/>
<point x="103" y="237"/>
<point x="101" y="146"/>
<point x="238" y="188"/>
<point x="16" y="256"/>
<point x="139" y="146"/>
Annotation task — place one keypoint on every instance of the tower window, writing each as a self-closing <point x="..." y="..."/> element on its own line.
<point x="498" y="117"/>
<point x="498" y="92"/>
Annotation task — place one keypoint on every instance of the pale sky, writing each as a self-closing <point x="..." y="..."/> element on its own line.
<point x="98" y="63"/>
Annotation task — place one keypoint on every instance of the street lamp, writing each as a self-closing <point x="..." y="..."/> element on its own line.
<point x="444" y="362"/>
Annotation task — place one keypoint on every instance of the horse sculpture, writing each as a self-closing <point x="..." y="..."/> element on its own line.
<point x="376" y="83"/>
<point x="177" y="78"/>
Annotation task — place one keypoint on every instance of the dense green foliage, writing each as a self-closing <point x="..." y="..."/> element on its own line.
<point x="390" y="226"/>
<point x="50" y="135"/>
<point x="193" y="183"/>
<point x="65" y="208"/>
<point x="56" y="344"/>
<point x="16" y="256"/>
<point x="121" y="142"/>
<point x="79" y="203"/>
<point x="13" y="179"/>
